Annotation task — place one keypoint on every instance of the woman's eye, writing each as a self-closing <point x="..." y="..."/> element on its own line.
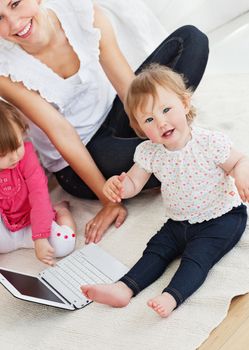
<point x="165" y="110"/>
<point x="15" y="4"/>
<point x="149" y="120"/>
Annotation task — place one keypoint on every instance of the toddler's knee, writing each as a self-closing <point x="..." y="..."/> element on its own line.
<point x="62" y="240"/>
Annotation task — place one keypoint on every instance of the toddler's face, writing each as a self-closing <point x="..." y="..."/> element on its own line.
<point x="164" y="120"/>
<point x="11" y="159"/>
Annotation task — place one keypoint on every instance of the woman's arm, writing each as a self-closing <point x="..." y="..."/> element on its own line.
<point x="60" y="132"/>
<point x="126" y="185"/>
<point x="65" y="139"/>
<point x="112" y="60"/>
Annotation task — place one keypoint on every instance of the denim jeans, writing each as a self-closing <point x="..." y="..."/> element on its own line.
<point x="113" y="146"/>
<point x="200" y="246"/>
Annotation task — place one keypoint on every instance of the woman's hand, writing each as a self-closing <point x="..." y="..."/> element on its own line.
<point x="111" y="212"/>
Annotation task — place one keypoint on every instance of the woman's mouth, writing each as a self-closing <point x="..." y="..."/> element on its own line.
<point x="24" y="33"/>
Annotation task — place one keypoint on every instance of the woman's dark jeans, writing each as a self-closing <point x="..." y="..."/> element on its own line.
<point x="200" y="245"/>
<point x="114" y="144"/>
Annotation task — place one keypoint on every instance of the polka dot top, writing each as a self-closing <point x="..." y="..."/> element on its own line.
<point x="194" y="187"/>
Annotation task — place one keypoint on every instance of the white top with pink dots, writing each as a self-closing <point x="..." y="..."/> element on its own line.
<point x="194" y="187"/>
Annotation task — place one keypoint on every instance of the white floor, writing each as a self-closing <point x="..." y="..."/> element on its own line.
<point x="229" y="47"/>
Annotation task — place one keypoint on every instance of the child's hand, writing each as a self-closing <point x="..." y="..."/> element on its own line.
<point x="44" y="251"/>
<point x="242" y="184"/>
<point x="113" y="188"/>
<point x="241" y="176"/>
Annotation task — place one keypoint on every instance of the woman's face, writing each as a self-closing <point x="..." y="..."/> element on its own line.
<point x="20" y="21"/>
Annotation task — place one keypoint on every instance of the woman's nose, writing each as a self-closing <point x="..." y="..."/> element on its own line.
<point x="14" y="23"/>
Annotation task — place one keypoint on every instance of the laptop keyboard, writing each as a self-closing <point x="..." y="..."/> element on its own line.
<point x="70" y="273"/>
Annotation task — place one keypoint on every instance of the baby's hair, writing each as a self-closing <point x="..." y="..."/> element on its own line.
<point x="144" y="85"/>
<point x="8" y="139"/>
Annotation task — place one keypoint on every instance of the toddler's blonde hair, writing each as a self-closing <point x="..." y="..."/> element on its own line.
<point x="144" y="85"/>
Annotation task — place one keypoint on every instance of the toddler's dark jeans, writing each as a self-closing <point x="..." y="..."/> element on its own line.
<point x="200" y="245"/>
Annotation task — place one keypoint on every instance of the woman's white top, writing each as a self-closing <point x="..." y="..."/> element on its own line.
<point x="84" y="99"/>
<point x="194" y="187"/>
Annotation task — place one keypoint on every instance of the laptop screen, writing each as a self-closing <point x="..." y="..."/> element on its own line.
<point x="29" y="286"/>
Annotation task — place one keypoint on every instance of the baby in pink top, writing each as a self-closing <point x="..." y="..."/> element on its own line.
<point x="27" y="217"/>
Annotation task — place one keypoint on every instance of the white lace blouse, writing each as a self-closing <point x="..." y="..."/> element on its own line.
<point x="84" y="99"/>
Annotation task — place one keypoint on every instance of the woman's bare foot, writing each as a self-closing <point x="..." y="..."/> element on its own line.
<point x="64" y="216"/>
<point x="163" y="304"/>
<point x="115" y="294"/>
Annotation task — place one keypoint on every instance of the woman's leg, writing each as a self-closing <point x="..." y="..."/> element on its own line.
<point x="112" y="155"/>
<point x="185" y="51"/>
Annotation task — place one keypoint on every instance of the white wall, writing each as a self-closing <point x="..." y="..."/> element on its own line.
<point x="205" y="14"/>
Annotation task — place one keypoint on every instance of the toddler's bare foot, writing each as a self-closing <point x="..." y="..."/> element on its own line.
<point x="61" y="207"/>
<point x="116" y="294"/>
<point x="163" y="304"/>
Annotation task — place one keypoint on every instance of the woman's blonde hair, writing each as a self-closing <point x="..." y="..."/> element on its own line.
<point x="144" y="85"/>
<point x="8" y="139"/>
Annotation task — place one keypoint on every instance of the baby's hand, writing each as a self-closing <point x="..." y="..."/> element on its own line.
<point x="241" y="177"/>
<point x="242" y="184"/>
<point x="113" y="188"/>
<point x="44" y="251"/>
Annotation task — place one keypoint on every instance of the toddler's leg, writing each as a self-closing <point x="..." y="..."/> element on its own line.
<point x="118" y="294"/>
<point x="10" y="241"/>
<point x="207" y="243"/>
<point x="64" y="216"/>
<point x="115" y="294"/>
<point x="62" y="239"/>
<point x="62" y="236"/>
<point x="163" y="304"/>
<point x="160" y="251"/>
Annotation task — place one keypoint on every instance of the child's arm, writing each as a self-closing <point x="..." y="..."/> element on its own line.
<point x="41" y="211"/>
<point x="44" y="251"/>
<point x="237" y="165"/>
<point x="126" y="185"/>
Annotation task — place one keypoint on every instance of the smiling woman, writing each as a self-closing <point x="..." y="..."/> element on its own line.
<point x="61" y="65"/>
<point x="16" y="19"/>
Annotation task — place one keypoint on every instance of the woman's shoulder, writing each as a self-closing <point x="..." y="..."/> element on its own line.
<point x="73" y="10"/>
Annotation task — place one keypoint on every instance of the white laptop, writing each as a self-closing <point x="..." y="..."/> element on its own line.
<point x="59" y="285"/>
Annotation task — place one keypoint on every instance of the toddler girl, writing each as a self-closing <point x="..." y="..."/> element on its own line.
<point x="202" y="201"/>
<point x="27" y="217"/>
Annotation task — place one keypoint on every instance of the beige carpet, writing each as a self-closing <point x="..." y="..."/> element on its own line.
<point x="223" y="103"/>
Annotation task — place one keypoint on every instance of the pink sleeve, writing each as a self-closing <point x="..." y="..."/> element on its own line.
<point x="42" y="213"/>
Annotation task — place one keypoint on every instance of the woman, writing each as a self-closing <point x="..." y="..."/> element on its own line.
<point x="59" y="63"/>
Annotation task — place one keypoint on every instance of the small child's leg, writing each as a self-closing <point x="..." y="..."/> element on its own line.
<point x="10" y="241"/>
<point x="116" y="294"/>
<point x="64" y="216"/>
<point x="62" y="239"/>
<point x="62" y="236"/>
<point x="163" y="304"/>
